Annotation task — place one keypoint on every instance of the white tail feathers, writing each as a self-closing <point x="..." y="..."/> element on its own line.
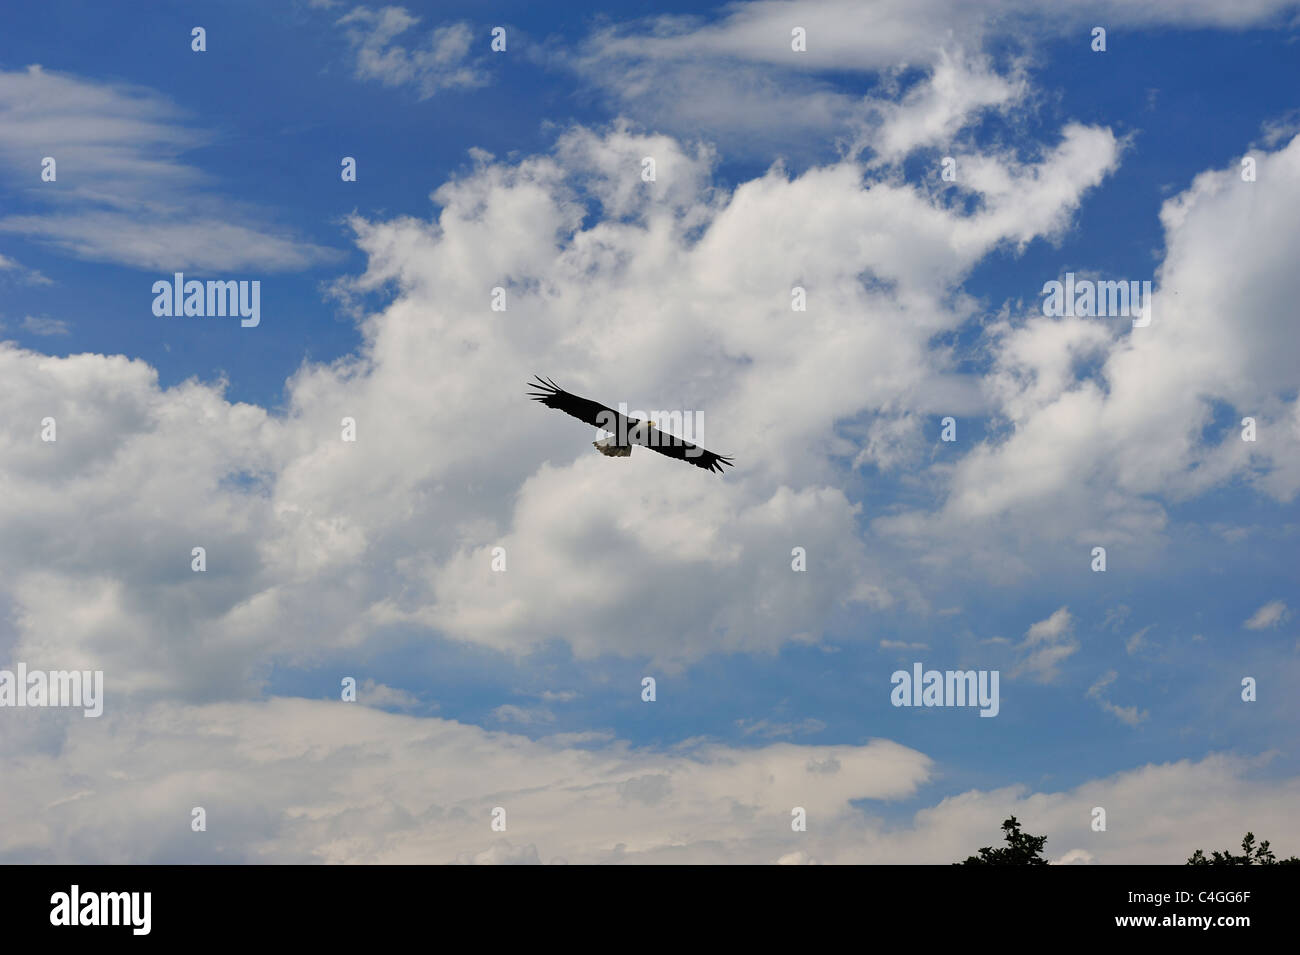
<point x="609" y="448"/>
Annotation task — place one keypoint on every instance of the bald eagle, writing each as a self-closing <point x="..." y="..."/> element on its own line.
<point x="626" y="431"/>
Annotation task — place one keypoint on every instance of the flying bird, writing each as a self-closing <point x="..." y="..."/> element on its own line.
<point x="626" y="431"/>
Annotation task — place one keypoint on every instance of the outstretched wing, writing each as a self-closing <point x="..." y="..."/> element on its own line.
<point x="584" y="409"/>
<point x="637" y="432"/>
<point x="680" y="449"/>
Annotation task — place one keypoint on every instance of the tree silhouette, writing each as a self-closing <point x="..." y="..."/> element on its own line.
<point x="1022" y="849"/>
<point x="1251" y="855"/>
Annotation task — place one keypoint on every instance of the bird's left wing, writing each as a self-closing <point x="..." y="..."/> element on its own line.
<point x="584" y="409"/>
<point x="681" y="449"/>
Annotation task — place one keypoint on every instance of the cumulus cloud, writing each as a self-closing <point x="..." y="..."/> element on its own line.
<point x="959" y="87"/>
<point x="1100" y="427"/>
<point x="738" y="76"/>
<point x="317" y="544"/>
<point x="668" y="293"/>
<point x="294" y="781"/>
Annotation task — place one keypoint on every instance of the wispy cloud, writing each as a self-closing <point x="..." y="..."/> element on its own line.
<point x="509" y="713"/>
<point x="558" y="696"/>
<point x="1270" y="615"/>
<point x="45" y="326"/>
<point x="1127" y="714"/>
<point x="1046" y="644"/>
<point x="1138" y="640"/>
<point x="384" y="697"/>
<point x="440" y="64"/>
<point x="780" y="730"/>
<point x="121" y="192"/>
<point x="28" y="276"/>
<point x="740" y="76"/>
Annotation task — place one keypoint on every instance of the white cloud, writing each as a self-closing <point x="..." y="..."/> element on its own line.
<point x="847" y="35"/>
<point x="441" y="65"/>
<point x="1075" y="857"/>
<point x="1199" y="808"/>
<point x="559" y="696"/>
<point x="158" y="244"/>
<point x="1137" y="640"/>
<point x="1047" y="643"/>
<point x="123" y="194"/>
<point x="25" y="275"/>
<point x="371" y="693"/>
<point x="45" y="326"/>
<point x="798" y="857"/>
<point x="1099" y="426"/>
<point x="1125" y="714"/>
<point x="737" y="75"/>
<point x="509" y="713"/>
<point x="85" y="582"/>
<point x="501" y="853"/>
<point x="1055" y="626"/>
<point x="931" y="113"/>
<point x="291" y="781"/>
<point x="298" y="780"/>
<point x="1268" y="616"/>
<point x="1116" y="616"/>
<point x="678" y="293"/>
<point x="315" y="544"/>
<point x="769" y="729"/>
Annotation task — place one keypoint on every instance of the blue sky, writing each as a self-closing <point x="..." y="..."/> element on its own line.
<point x="319" y="575"/>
